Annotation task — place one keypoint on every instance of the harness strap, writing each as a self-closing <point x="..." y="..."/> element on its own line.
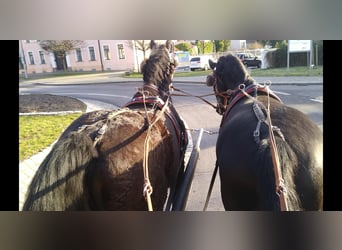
<point x="156" y="101"/>
<point x="280" y="186"/>
<point x="182" y="137"/>
<point x="261" y="118"/>
<point x="147" y="190"/>
<point x="242" y="93"/>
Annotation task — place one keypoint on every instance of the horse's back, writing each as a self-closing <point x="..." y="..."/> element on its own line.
<point x="106" y="149"/>
<point x="116" y="182"/>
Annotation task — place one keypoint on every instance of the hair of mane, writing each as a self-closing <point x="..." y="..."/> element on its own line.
<point x="159" y="67"/>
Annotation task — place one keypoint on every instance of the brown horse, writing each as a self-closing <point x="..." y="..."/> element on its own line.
<point x="125" y="159"/>
<point x="269" y="155"/>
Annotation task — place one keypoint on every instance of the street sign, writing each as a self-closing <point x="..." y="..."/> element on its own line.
<point x="299" y="45"/>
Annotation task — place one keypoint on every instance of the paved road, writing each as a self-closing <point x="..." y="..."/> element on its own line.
<point x="28" y="167"/>
<point x="115" y="77"/>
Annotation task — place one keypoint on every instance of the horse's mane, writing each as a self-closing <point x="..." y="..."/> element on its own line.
<point x="159" y="67"/>
<point x="231" y="70"/>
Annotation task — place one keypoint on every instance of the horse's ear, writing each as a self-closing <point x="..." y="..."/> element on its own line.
<point x="153" y="45"/>
<point x="212" y="64"/>
<point x="169" y="45"/>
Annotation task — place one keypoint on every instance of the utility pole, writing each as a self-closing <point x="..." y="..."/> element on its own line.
<point x="98" y="42"/>
<point x="23" y="58"/>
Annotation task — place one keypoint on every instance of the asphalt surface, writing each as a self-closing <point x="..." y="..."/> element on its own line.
<point x="115" y="77"/>
<point x="28" y="167"/>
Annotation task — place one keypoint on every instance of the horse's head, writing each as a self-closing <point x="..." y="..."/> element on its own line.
<point x="159" y="68"/>
<point x="228" y="73"/>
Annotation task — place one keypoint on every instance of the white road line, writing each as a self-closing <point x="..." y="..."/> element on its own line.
<point x="121" y="96"/>
<point x="284" y="93"/>
<point x="316" y="100"/>
<point x="281" y="93"/>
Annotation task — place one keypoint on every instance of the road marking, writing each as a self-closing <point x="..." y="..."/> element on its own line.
<point x="281" y="93"/>
<point x="316" y="100"/>
<point x="284" y="93"/>
<point x="121" y="96"/>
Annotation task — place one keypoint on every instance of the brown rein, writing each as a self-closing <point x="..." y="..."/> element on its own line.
<point x="197" y="96"/>
<point x="279" y="181"/>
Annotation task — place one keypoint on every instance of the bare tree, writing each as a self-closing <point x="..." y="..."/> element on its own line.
<point x="142" y="45"/>
<point x="61" y="47"/>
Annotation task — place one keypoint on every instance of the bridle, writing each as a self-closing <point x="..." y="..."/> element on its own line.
<point x="228" y="95"/>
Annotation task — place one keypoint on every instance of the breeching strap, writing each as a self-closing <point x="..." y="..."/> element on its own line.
<point x="280" y="186"/>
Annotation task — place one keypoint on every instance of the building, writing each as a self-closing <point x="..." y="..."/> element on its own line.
<point x="90" y="55"/>
<point x="237" y="45"/>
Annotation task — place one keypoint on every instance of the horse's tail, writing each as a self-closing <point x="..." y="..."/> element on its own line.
<point x="59" y="182"/>
<point x="288" y="164"/>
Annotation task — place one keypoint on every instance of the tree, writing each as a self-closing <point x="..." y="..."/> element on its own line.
<point x="222" y="45"/>
<point x="142" y="45"/>
<point x="271" y="43"/>
<point x="204" y="46"/>
<point x="183" y="46"/>
<point x="60" y="48"/>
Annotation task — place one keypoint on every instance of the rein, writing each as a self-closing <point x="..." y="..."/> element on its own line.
<point x="154" y="102"/>
<point x="147" y="191"/>
<point x="197" y="96"/>
<point x="280" y="186"/>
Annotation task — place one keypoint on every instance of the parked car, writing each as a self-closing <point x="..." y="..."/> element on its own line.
<point x="249" y="60"/>
<point x="200" y="62"/>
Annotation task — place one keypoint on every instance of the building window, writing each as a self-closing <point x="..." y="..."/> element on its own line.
<point x="78" y="55"/>
<point x="106" y="52"/>
<point x="30" y="54"/>
<point x="42" y="57"/>
<point x="121" y="51"/>
<point x="91" y="53"/>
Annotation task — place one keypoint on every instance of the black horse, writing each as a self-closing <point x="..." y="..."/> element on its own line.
<point x="269" y="155"/>
<point x="125" y="159"/>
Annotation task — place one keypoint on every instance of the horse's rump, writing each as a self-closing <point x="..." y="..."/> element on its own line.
<point x="245" y="161"/>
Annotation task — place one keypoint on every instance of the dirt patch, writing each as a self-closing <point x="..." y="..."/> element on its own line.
<point x="49" y="103"/>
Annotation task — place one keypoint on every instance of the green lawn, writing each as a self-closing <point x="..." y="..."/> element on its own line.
<point x="37" y="132"/>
